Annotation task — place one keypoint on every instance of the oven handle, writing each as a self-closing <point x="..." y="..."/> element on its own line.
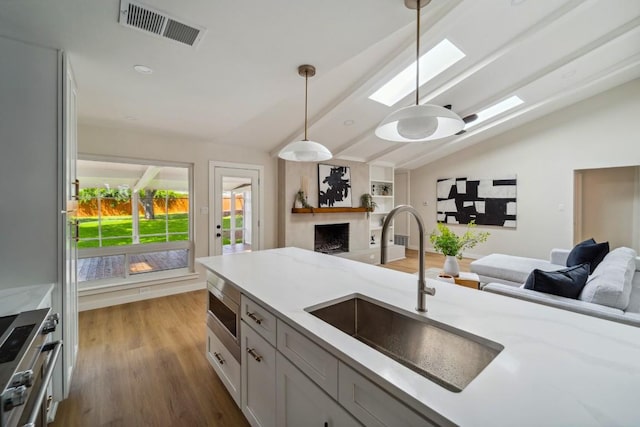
<point x="55" y="346"/>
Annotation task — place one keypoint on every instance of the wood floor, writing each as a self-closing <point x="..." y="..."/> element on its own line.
<point x="143" y="364"/>
<point x="431" y="260"/>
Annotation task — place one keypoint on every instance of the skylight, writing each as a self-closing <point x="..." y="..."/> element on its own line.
<point x="495" y="109"/>
<point x="435" y="61"/>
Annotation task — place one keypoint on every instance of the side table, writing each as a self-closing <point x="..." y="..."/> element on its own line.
<point x="466" y="279"/>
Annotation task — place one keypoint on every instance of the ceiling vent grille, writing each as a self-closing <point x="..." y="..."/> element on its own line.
<point x="144" y="18"/>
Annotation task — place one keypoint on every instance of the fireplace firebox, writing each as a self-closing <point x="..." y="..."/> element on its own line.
<point x="331" y="238"/>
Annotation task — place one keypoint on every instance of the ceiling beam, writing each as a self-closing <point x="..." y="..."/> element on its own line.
<point x="370" y="79"/>
<point x="628" y="64"/>
<point x="146" y="178"/>
<point x="531" y="78"/>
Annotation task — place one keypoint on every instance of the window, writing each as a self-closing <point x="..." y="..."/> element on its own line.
<point x="134" y="219"/>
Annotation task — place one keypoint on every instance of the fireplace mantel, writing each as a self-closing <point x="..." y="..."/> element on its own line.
<point x="326" y="210"/>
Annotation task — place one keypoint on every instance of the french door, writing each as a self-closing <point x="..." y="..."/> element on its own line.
<point x="235" y="198"/>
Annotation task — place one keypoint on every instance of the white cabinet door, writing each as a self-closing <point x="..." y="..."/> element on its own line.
<point x="372" y="405"/>
<point x="302" y="403"/>
<point x="258" y="378"/>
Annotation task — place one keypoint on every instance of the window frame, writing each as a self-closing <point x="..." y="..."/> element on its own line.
<point x="134" y="249"/>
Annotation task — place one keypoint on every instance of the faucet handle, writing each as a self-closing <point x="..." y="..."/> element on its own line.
<point x="429" y="291"/>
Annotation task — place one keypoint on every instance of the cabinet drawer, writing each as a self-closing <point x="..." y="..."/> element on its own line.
<point x="258" y="378"/>
<point x="310" y="358"/>
<point x="227" y="368"/>
<point x="259" y="319"/>
<point x="371" y="405"/>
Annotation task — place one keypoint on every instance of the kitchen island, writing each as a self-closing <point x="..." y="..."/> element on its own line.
<point x="556" y="368"/>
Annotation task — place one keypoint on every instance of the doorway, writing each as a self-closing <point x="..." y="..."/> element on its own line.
<point x="236" y="200"/>
<point x="607" y="206"/>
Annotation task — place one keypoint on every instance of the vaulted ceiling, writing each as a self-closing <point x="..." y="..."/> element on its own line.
<point x="240" y="86"/>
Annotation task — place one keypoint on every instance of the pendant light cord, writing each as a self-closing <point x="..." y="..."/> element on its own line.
<point x="306" y="90"/>
<point x="418" y="55"/>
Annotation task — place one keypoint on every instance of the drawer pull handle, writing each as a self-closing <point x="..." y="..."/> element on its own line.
<point x="219" y="358"/>
<point x="254" y="318"/>
<point x="255" y="355"/>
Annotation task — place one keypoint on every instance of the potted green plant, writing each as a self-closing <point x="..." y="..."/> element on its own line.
<point x="366" y="201"/>
<point x="301" y="201"/>
<point x="451" y="245"/>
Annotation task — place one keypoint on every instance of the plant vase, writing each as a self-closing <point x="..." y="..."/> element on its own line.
<point x="451" y="266"/>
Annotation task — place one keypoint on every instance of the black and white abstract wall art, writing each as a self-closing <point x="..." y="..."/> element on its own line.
<point x="334" y="186"/>
<point x="487" y="201"/>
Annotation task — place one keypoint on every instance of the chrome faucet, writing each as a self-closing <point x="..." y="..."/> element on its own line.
<point x="423" y="289"/>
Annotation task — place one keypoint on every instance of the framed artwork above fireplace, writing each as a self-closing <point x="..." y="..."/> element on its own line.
<point x="334" y="186"/>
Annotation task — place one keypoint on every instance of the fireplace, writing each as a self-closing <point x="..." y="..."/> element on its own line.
<point x="332" y="238"/>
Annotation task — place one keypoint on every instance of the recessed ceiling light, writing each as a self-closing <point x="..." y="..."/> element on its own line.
<point x="435" y="61"/>
<point x="348" y="122"/>
<point x="143" y="69"/>
<point x="517" y="2"/>
<point x="495" y="109"/>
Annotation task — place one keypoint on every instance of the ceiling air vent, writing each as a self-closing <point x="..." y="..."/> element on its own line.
<point x="144" y="18"/>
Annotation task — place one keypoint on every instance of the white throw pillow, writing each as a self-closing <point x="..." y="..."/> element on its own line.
<point x="610" y="283"/>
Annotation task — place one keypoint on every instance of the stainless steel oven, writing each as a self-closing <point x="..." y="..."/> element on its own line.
<point x="27" y="361"/>
<point x="223" y="313"/>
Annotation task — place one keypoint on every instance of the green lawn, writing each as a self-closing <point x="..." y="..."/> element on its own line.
<point x="116" y="231"/>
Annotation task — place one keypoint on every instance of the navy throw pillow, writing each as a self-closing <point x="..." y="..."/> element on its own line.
<point x="588" y="251"/>
<point x="565" y="283"/>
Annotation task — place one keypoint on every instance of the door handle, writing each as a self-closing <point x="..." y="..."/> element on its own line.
<point x="218" y="226"/>
<point x="218" y="234"/>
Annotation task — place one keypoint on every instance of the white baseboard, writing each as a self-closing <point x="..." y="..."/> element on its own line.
<point x="123" y="296"/>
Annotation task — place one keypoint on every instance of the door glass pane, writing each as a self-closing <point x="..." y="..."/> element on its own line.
<point x="236" y="214"/>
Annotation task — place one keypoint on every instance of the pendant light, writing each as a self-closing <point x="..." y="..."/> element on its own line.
<point x="418" y="123"/>
<point x="305" y="150"/>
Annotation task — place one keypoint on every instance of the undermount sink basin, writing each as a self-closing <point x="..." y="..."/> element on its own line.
<point x="448" y="356"/>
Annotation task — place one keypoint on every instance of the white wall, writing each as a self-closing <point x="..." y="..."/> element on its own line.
<point x="598" y="132"/>
<point x="137" y="144"/>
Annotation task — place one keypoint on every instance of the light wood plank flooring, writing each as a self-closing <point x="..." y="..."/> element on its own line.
<point x="143" y="364"/>
<point x="431" y="260"/>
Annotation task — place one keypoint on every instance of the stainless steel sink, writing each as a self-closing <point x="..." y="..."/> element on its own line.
<point x="448" y="356"/>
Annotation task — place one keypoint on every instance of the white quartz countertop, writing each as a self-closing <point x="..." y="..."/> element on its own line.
<point x="557" y="367"/>
<point x="23" y="298"/>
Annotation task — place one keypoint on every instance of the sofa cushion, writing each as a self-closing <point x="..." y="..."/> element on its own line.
<point x="588" y="251"/>
<point x="611" y="282"/>
<point x="510" y="268"/>
<point x="565" y="283"/>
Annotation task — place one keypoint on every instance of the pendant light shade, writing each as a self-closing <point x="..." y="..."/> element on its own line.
<point x="305" y="150"/>
<point x="418" y="123"/>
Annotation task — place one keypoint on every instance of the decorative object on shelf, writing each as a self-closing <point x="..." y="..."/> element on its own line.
<point x="444" y="277"/>
<point x="305" y="150"/>
<point x="384" y="190"/>
<point x="373" y="239"/>
<point x="451" y="245"/>
<point x="417" y="123"/>
<point x="366" y="201"/>
<point x="334" y="185"/>
<point x="301" y="201"/>
<point x="484" y="201"/>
